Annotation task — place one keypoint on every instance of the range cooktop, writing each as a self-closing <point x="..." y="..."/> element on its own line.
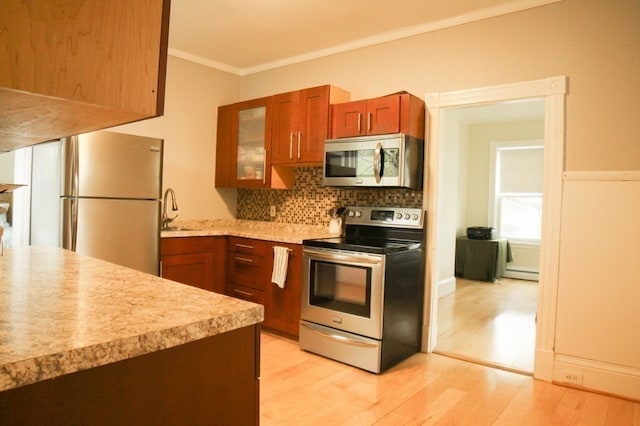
<point x="364" y="244"/>
<point x="377" y="230"/>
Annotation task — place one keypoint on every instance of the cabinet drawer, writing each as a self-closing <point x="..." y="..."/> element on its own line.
<point x="246" y="293"/>
<point x="247" y="270"/>
<point x="247" y="246"/>
<point x="182" y="245"/>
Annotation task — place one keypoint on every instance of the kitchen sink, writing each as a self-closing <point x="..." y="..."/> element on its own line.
<point x="175" y="229"/>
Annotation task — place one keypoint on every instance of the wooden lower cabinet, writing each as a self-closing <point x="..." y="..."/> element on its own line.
<point x="250" y="265"/>
<point x="241" y="268"/>
<point x="282" y="305"/>
<point x="196" y="261"/>
<point x="212" y="381"/>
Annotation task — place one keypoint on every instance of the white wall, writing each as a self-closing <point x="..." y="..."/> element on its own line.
<point x="594" y="43"/>
<point x="598" y="325"/>
<point x="451" y="199"/>
<point x="188" y="127"/>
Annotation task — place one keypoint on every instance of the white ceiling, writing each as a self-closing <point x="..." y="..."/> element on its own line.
<point x="247" y="36"/>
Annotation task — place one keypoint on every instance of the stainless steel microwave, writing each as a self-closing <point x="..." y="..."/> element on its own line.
<point x="395" y="160"/>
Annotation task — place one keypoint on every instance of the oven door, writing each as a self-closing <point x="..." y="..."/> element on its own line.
<point x="343" y="290"/>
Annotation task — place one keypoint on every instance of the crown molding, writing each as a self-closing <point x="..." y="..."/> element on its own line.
<point x="478" y="15"/>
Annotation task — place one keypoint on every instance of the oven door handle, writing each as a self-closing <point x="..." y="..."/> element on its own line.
<point x="322" y="255"/>
<point x="338" y="337"/>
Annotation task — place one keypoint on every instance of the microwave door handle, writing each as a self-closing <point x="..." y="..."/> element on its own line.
<point x="378" y="161"/>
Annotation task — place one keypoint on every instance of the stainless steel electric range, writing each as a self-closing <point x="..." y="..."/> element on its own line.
<point x="362" y="294"/>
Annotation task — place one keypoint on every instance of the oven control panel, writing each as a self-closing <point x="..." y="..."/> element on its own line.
<point x="384" y="216"/>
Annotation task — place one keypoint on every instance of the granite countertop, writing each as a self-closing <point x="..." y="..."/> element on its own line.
<point x="271" y="231"/>
<point x="61" y="313"/>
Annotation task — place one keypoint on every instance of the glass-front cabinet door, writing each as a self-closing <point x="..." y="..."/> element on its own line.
<point x="253" y="143"/>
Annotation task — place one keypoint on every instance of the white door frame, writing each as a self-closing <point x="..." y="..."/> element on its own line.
<point x="553" y="90"/>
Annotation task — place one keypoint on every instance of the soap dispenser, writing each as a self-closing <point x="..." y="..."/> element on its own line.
<point x="335" y="222"/>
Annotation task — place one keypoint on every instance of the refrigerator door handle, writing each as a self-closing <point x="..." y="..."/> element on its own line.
<point x="70" y="223"/>
<point x="71" y="185"/>
<point x="74" y="223"/>
<point x="75" y="172"/>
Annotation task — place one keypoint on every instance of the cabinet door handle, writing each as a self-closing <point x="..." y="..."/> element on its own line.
<point x="290" y="145"/>
<point x="299" y="139"/>
<point x="359" y="122"/>
<point x="243" y="259"/>
<point x="264" y="167"/>
<point x="369" y="121"/>
<point x="243" y="293"/>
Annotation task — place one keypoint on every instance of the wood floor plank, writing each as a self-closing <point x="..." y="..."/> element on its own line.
<point x="300" y="388"/>
<point x="492" y="323"/>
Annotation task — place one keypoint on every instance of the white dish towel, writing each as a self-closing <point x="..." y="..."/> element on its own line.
<point x="280" y="262"/>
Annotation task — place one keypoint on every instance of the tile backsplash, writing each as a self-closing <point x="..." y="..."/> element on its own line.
<point x="309" y="202"/>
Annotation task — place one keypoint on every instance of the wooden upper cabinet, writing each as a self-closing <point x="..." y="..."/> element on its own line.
<point x="291" y="128"/>
<point x="398" y="113"/>
<point x="300" y="124"/>
<point x="79" y="65"/>
<point x="243" y="144"/>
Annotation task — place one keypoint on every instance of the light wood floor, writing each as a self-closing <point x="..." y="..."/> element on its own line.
<point x="490" y="323"/>
<point x="300" y="388"/>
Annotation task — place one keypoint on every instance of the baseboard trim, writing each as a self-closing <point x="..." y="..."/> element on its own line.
<point x="446" y="287"/>
<point x="598" y="376"/>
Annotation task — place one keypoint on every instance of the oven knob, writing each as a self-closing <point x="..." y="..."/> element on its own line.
<point x="358" y="213"/>
<point x="407" y="216"/>
<point x="414" y="217"/>
<point x="351" y="213"/>
<point x="398" y="215"/>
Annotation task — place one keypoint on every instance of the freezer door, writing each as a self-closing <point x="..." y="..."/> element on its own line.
<point x="124" y="232"/>
<point x="112" y="165"/>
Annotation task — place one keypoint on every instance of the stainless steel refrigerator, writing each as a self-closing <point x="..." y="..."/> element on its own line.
<point x="98" y="194"/>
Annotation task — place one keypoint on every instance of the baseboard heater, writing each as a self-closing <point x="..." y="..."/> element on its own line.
<point x="522" y="273"/>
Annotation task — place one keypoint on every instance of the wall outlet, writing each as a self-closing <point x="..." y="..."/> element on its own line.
<point x="272" y="211"/>
<point x="572" y="377"/>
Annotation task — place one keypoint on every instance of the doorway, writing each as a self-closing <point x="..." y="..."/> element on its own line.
<point x="439" y="244"/>
<point x="493" y="157"/>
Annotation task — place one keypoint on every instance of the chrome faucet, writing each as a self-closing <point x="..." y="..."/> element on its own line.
<point x="166" y="220"/>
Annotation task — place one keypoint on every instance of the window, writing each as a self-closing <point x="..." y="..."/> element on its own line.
<point x="516" y="199"/>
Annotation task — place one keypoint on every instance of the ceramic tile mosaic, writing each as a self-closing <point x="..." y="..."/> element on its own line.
<point x="309" y="202"/>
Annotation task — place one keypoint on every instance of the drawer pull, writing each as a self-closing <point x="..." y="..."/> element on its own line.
<point x="244" y="246"/>
<point x="243" y="293"/>
<point x="243" y="259"/>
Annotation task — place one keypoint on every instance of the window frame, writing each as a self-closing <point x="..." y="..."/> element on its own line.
<point x="495" y="196"/>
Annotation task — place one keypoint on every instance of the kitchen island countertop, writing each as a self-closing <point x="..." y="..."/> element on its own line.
<point x="61" y="312"/>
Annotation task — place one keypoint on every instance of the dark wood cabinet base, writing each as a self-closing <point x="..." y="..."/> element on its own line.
<point x="212" y="381"/>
